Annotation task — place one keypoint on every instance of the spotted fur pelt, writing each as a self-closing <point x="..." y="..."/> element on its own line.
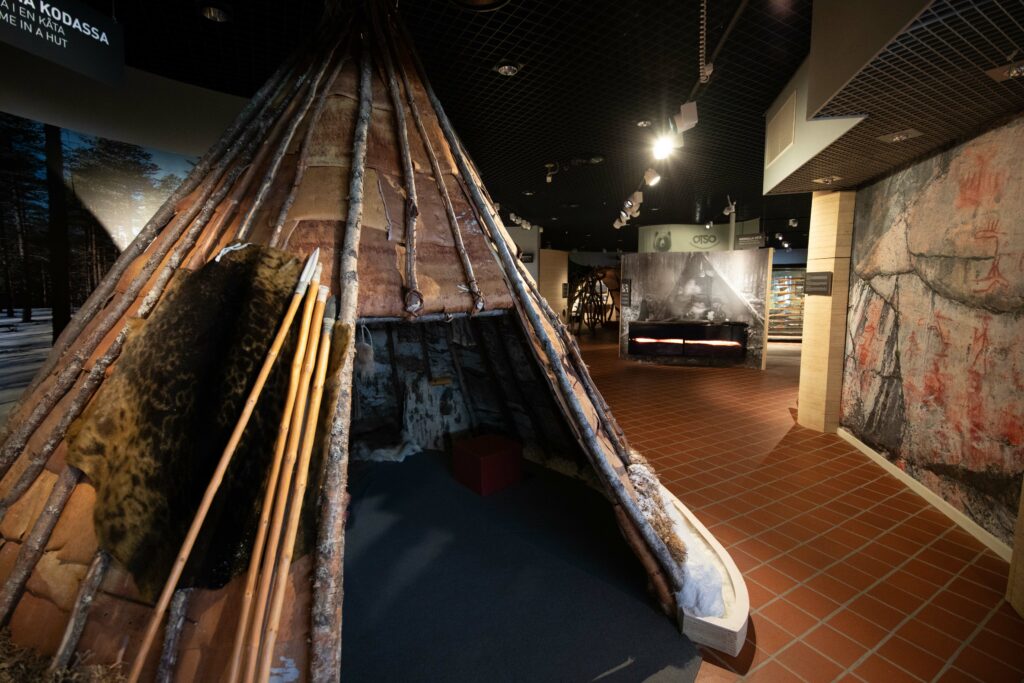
<point x="152" y="437"/>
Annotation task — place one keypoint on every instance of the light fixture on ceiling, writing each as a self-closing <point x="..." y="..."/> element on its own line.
<point x="685" y="119"/>
<point x="552" y="170"/>
<point x="554" y="218"/>
<point x="644" y="123"/>
<point x="651" y="177"/>
<point x="778" y="236"/>
<point x="528" y="193"/>
<point x="900" y="135"/>
<point x="218" y="14"/>
<point x="709" y="225"/>
<point x="618" y="224"/>
<point x="596" y="159"/>
<point x="827" y="180"/>
<point x="654" y="208"/>
<point x="785" y="245"/>
<point x="1005" y="72"/>
<point x="508" y="68"/>
<point x="663" y="147"/>
<point x="792" y="223"/>
<point x="623" y="216"/>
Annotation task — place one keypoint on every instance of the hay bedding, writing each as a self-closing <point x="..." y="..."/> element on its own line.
<point x="154" y="433"/>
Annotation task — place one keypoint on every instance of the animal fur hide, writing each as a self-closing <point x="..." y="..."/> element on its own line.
<point x="153" y="435"/>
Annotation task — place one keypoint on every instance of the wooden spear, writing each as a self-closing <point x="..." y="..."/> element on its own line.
<point x="218" y="474"/>
<point x="255" y="558"/>
<point x="274" y="535"/>
<point x="301" y="480"/>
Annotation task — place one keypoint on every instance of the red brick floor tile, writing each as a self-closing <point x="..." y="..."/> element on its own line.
<point x="812" y="602"/>
<point x="877" y="611"/>
<point x="832" y="588"/>
<point x="980" y="664"/>
<point x="911" y="658"/>
<point x="929" y="639"/>
<point x="955" y="675"/>
<point x="835" y="645"/>
<point x="773" y="672"/>
<point x="944" y="621"/>
<point x="877" y="668"/>
<point x="788" y="616"/>
<point x="772" y="579"/>
<point x="710" y="672"/>
<point x="808" y="663"/>
<point x="997" y="647"/>
<point x="767" y="636"/>
<point x="857" y="628"/>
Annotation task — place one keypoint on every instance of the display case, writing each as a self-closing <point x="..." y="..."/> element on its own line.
<point x="786" y="316"/>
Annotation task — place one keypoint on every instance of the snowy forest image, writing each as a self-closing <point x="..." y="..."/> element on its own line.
<point x="69" y="203"/>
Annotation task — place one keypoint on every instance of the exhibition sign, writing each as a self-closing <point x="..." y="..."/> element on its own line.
<point x="67" y="32"/>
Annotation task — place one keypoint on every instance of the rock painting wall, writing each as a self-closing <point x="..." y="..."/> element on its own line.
<point x="934" y="365"/>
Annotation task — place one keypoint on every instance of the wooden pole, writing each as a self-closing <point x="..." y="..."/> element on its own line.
<point x="80" y="612"/>
<point x="453" y="221"/>
<point x="270" y="495"/>
<point x="285" y="143"/>
<point x="172" y="635"/>
<point x="413" y="296"/>
<point x="35" y="543"/>
<point x="325" y="646"/>
<point x="218" y="476"/>
<point x="311" y="323"/>
<point x="529" y="310"/>
<point x="326" y="326"/>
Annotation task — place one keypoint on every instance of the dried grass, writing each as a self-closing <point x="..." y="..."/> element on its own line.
<point x="21" y="665"/>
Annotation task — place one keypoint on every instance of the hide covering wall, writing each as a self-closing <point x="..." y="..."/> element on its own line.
<point x="934" y="364"/>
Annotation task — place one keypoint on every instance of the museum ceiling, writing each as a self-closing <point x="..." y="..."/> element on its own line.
<point x="589" y="71"/>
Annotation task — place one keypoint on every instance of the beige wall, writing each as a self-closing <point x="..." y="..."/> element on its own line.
<point x="554" y="271"/>
<point x="824" y="335"/>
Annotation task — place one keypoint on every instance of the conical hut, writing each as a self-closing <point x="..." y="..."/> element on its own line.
<point x="174" y="480"/>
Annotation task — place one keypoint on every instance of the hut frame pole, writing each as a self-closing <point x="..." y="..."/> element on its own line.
<point x="435" y="167"/>
<point x="172" y="635"/>
<point x="321" y="350"/>
<point x="275" y="164"/>
<point x="529" y="311"/>
<point x="34" y="545"/>
<point x="101" y="295"/>
<point x="65" y="379"/>
<point x="413" y="296"/>
<point x="325" y="647"/>
<point x="80" y="612"/>
<point x="215" y="480"/>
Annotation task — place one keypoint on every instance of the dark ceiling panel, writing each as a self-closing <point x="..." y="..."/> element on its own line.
<point x="591" y="69"/>
<point x="931" y="78"/>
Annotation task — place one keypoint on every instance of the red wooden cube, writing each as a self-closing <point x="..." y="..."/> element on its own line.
<point x="488" y="463"/>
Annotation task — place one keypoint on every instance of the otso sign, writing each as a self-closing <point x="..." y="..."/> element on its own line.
<point x="66" y="32"/>
<point x="704" y="240"/>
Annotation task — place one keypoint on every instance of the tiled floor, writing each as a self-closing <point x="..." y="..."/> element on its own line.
<point x="851" y="575"/>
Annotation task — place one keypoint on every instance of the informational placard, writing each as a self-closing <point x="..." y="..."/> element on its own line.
<point x="749" y="241"/>
<point x="626" y="292"/>
<point x="67" y="32"/>
<point x="527" y="257"/>
<point x="818" y="283"/>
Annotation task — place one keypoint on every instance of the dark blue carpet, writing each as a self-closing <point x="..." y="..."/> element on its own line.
<point x="530" y="584"/>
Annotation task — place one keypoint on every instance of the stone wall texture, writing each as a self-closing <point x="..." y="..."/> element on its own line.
<point x="934" y="363"/>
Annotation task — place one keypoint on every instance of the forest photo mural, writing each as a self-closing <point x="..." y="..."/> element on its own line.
<point x="934" y="366"/>
<point x="69" y="203"/>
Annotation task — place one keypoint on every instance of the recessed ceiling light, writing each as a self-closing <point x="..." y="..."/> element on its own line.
<point x="508" y="68"/>
<point x="827" y="180"/>
<point x="215" y="13"/>
<point x="554" y="218"/>
<point x="528" y="193"/>
<point x="900" y="135"/>
<point x="596" y="159"/>
<point x="653" y="208"/>
<point x="643" y="123"/>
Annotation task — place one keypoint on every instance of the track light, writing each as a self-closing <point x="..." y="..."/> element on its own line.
<point x="618" y="224"/>
<point x="651" y="177"/>
<point x="623" y="216"/>
<point x="730" y="207"/>
<point x="793" y="222"/>
<point x="778" y="235"/>
<point x="785" y="245"/>
<point x="685" y="119"/>
<point x="709" y="225"/>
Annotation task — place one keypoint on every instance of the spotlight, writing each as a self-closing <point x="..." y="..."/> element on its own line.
<point x="709" y="225"/>
<point x="643" y="123"/>
<point x="628" y="204"/>
<point x="216" y="13"/>
<point x="528" y="193"/>
<point x="514" y="218"/>
<point x="508" y="68"/>
<point x="618" y="223"/>
<point x="793" y="222"/>
<point x="785" y="245"/>
<point x="651" y="177"/>
<point x="663" y="147"/>
<point x="778" y="235"/>
<point x="623" y="216"/>
<point x="730" y="207"/>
